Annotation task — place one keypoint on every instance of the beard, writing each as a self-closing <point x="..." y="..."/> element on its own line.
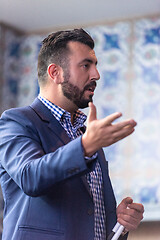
<point x="76" y="95"/>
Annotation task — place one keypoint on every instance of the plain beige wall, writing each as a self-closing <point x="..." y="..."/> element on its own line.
<point x="146" y="231"/>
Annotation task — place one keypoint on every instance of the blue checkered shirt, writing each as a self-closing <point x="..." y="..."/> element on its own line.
<point x="94" y="178"/>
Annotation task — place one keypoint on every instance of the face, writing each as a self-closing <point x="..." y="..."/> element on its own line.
<point x="81" y="75"/>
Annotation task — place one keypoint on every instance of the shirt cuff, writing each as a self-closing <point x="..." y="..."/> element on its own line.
<point x="90" y="159"/>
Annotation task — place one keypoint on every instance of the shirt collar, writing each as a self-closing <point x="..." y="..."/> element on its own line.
<point x="59" y="113"/>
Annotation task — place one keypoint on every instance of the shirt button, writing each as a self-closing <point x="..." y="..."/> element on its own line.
<point x="90" y="211"/>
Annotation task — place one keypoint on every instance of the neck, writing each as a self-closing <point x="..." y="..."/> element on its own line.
<point x="59" y="100"/>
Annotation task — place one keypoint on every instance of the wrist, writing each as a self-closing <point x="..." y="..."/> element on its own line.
<point x="87" y="146"/>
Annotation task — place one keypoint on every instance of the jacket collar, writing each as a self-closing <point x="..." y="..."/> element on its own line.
<point x="44" y="113"/>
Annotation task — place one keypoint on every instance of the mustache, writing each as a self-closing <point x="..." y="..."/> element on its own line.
<point x="91" y="84"/>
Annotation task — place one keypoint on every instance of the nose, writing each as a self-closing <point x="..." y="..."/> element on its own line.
<point x="95" y="74"/>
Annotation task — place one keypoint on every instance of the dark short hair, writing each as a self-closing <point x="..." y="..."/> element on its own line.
<point x="54" y="49"/>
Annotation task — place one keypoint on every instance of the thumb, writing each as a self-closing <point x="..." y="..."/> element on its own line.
<point x="124" y="204"/>
<point x="92" y="112"/>
<point x="126" y="201"/>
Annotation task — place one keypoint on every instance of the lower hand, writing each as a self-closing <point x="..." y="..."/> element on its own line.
<point x="129" y="214"/>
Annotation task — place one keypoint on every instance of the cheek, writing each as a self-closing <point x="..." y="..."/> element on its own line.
<point x="79" y="83"/>
<point x="79" y="79"/>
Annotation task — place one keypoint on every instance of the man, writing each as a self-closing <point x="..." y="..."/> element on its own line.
<point x="54" y="175"/>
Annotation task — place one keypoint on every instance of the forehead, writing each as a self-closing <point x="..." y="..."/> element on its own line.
<point x="81" y="51"/>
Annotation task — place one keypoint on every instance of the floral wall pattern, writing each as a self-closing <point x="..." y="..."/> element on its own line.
<point x="146" y="108"/>
<point x="20" y="75"/>
<point x="129" y="64"/>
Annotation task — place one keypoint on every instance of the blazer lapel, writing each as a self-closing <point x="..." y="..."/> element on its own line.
<point x="56" y="127"/>
<point x="46" y="116"/>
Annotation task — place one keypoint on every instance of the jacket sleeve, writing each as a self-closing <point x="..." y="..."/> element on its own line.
<point x="24" y="160"/>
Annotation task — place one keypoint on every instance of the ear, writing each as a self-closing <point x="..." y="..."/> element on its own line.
<point x="54" y="72"/>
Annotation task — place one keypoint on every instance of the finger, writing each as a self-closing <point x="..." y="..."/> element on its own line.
<point x="131" y="216"/>
<point x="109" y="119"/>
<point x="126" y="201"/>
<point x="130" y="220"/>
<point x="124" y="125"/>
<point x="129" y="223"/>
<point x="130" y="213"/>
<point x="92" y="112"/>
<point x="123" y="205"/>
<point x="117" y="136"/>
<point x="137" y="206"/>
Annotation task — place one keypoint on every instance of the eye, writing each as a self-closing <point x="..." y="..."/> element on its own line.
<point x="86" y="66"/>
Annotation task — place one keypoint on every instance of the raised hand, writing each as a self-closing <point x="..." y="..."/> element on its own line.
<point x="102" y="133"/>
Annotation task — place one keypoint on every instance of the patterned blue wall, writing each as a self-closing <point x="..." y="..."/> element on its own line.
<point x="129" y="56"/>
